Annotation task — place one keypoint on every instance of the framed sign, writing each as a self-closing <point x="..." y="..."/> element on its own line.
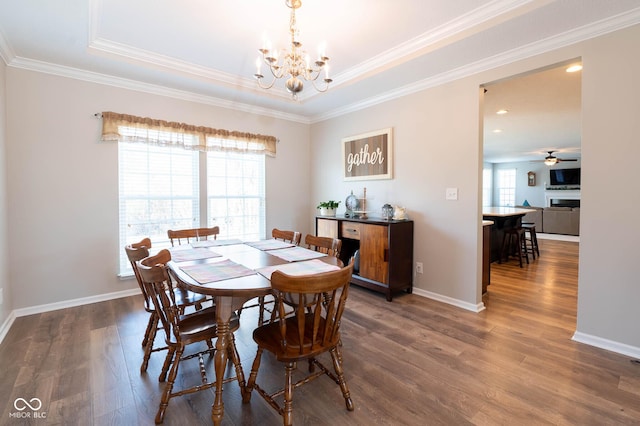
<point x="368" y="156"/>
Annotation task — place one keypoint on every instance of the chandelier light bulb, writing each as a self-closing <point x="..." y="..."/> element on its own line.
<point x="294" y="63"/>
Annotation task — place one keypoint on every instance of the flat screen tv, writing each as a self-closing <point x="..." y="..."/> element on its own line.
<point x="565" y="176"/>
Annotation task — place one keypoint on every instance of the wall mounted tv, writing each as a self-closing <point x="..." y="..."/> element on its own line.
<point x="565" y="176"/>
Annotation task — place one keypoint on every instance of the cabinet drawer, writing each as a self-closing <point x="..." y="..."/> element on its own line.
<point x="350" y="230"/>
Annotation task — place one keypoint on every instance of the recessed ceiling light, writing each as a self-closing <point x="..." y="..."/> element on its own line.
<point x="574" y="68"/>
<point x="497" y="131"/>
<point x="502" y="111"/>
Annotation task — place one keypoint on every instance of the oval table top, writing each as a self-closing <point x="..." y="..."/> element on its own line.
<point x="247" y="286"/>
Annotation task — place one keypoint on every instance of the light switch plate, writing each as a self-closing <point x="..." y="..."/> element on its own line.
<point x="452" y="194"/>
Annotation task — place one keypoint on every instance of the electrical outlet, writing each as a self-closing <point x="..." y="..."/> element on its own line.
<point x="419" y="269"/>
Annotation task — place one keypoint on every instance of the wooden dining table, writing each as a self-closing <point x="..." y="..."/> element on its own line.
<point x="218" y="277"/>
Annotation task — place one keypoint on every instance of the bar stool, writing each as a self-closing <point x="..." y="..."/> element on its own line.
<point x="514" y="242"/>
<point x="531" y="239"/>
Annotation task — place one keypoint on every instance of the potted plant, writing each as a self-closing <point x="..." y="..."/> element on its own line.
<point x="328" y="208"/>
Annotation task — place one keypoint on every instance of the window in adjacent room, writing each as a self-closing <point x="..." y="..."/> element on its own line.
<point x="506" y="187"/>
<point x="487" y="187"/>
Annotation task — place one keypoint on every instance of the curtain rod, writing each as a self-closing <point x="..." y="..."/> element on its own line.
<point x="98" y="115"/>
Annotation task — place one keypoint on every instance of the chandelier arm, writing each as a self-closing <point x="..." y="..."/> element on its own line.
<point x="277" y="71"/>
<point x="294" y="63"/>
<point x="326" y="81"/>
<point x="268" y="86"/>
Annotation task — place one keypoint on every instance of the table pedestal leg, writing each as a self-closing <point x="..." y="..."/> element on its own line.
<point x="223" y="314"/>
<point x="225" y="349"/>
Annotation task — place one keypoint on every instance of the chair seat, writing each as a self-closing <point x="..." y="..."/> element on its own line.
<point x="203" y="322"/>
<point x="182" y="329"/>
<point x="269" y="337"/>
<point x="187" y="298"/>
<point x="311" y="330"/>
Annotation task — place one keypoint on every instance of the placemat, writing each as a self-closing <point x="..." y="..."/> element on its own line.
<point x="271" y="244"/>
<point x="306" y="267"/>
<point x="183" y="255"/>
<point x="295" y="254"/>
<point x="214" y="243"/>
<point x="218" y="271"/>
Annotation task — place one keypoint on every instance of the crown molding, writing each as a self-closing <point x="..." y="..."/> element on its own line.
<point x="6" y="52"/>
<point x="472" y="21"/>
<point x="103" y="47"/>
<point x="571" y="37"/>
<point x="467" y="24"/>
<point x="134" y="55"/>
<point x="568" y="38"/>
<point x="93" y="77"/>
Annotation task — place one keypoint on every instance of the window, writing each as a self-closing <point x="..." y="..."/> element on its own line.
<point x="235" y="188"/>
<point x="178" y="175"/>
<point x="161" y="187"/>
<point x="487" y="187"/>
<point x="506" y="187"/>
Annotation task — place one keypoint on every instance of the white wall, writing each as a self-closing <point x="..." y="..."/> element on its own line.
<point x="437" y="145"/>
<point x="6" y="306"/>
<point x="432" y="151"/>
<point x="63" y="183"/>
<point x="609" y="292"/>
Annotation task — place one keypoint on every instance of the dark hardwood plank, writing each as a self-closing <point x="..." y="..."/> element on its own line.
<point x="413" y="361"/>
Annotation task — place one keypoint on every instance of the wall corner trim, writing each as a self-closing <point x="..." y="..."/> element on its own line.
<point x="607" y="344"/>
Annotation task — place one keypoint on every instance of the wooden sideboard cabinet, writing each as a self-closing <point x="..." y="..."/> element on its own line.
<point x="385" y="250"/>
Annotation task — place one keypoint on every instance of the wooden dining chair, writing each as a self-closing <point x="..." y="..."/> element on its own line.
<point x="182" y="330"/>
<point x="328" y="245"/>
<point x="314" y="329"/>
<point x="186" y="236"/>
<point x="292" y="237"/>
<point x="138" y="251"/>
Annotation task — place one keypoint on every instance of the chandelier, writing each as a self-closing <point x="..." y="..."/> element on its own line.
<point x="294" y="64"/>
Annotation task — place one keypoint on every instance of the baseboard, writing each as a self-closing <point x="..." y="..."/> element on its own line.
<point x="558" y="237"/>
<point x="62" y="305"/>
<point x="587" y="339"/>
<point x="606" y="344"/>
<point x="6" y="325"/>
<point x="75" y="302"/>
<point x="449" y="300"/>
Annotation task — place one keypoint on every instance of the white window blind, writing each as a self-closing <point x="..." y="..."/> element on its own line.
<point x="168" y="187"/>
<point x="159" y="190"/>
<point x="506" y="187"/>
<point x="487" y="187"/>
<point x="236" y="194"/>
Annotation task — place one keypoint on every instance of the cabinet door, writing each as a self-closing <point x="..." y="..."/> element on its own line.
<point x="374" y="253"/>
<point x="327" y="228"/>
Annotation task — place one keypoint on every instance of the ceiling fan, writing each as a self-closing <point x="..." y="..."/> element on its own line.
<point x="551" y="159"/>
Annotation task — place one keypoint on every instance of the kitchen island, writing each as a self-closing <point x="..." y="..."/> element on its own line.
<point x="503" y="218"/>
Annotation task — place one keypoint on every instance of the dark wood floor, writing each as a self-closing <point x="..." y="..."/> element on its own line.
<point x="410" y="362"/>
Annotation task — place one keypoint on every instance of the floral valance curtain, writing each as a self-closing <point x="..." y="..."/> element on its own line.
<point x="129" y="128"/>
